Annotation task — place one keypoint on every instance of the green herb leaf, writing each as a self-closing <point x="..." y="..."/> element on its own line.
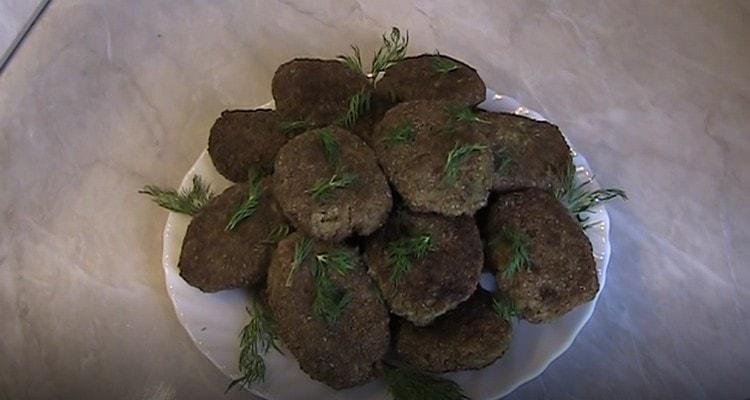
<point x="249" y="205"/>
<point x="359" y="104"/>
<point x="502" y="161"/>
<point x="324" y="188"/>
<point x="330" y="301"/>
<point x="301" y="251"/>
<point x="403" y="133"/>
<point x="408" y="383"/>
<point x="581" y="199"/>
<point x="464" y="113"/>
<point x="277" y="234"/>
<point x="504" y="306"/>
<point x="401" y="252"/>
<point x="519" y="243"/>
<point x="186" y="201"/>
<point x="458" y="155"/>
<point x="392" y="51"/>
<point x="292" y="126"/>
<point x="442" y="64"/>
<point x="354" y="62"/>
<point x="256" y="339"/>
<point x="330" y="145"/>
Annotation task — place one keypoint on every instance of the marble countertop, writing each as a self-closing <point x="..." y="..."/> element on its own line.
<point x="105" y="96"/>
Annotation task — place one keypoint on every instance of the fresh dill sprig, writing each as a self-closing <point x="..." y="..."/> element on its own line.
<point x="580" y="199"/>
<point x="256" y="339"/>
<point x="354" y="62"/>
<point x="464" y="113"/>
<point x="519" y="243"/>
<point x="249" y="205"/>
<point x="504" y="306"/>
<point x="401" y="134"/>
<point x="402" y="251"/>
<point x="330" y="145"/>
<point x="456" y="157"/>
<point x="291" y="126"/>
<point x="359" y="104"/>
<point x="301" y="251"/>
<point x="408" y="383"/>
<point x="186" y="201"/>
<point x="442" y="64"/>
<point x="502" y="161"/>
<point x="324" y="188"/>
<point x="392" y="51"/>
<point x="276" y="234"/>
<point x="340" y="260"/>
<point x="329" y="301"/>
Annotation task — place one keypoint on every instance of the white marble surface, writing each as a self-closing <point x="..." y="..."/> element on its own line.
<point x="105" y="96"/>
<point x="14" y="14"/>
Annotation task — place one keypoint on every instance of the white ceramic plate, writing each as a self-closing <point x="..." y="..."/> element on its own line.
<point x="214" y="320"/>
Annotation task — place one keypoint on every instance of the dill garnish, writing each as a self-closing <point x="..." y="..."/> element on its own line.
<point x="249" y="205"/>
<point x="580" y="199"/>
<point x="359" y="104"/>
<point x="456" y="157"/>
<point x="329" y="301"/>
<point x="301" y="251"/>
<point x="443" y="65"/>
<point x="519" y="243"/>
<point x="277" y="234"/>
<point x="186" y="201"/>
<point x="330" y="145"/>
<point x="408" y="383"/>
<point x="402" y="251"/>
<point x="324" y="188"/>
<point x="256" y="339"/>
<point x="464" y="113"/>
<point x="504" y="306"/>
<point x="401" y="134"/>
<point x="292" y="126"/>
<point x="392" y="51"/>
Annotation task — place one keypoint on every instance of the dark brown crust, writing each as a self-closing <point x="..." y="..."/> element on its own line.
<point x="214" y="259"/>
<point x="415" y="168"/>
<point x="445" y="277"/>
<point x="470" y="337"/>
<point x="241" y="140"/>
<point x="358" y="209"/>
<point x="415" y="78"/>
<point x="315" y="90"/>
<point x="347" y="354"/>
<point x="562" y="274"/>
<point x="538" y="153"/>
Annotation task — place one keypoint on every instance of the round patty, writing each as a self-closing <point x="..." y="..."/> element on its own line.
<point x="470" y="337"/>
<point x="343" y="354"/>
<point x="527" y="153"/>
<point x="416" y="166"/>
<point x="432" y="77"/>
<point x="213" y="258"/>
<point x="561" y="272"/>
<point x="360" y="207"/>
<point x="242" y="140"/>
<point x="314" y="90"/>
<point x="437" y="281"/>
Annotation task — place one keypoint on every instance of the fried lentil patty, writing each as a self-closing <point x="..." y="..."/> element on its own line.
<point x="316" y="91"/>
<point x="435" y="283"/>
<point x="561" y="272"/>
<point x="470" y="337"/>
<point x="432" y="77"/>
<point x="214" y="258"/>
<point x="242" y="140"/>
<point x="341" y="355"/>
<point x="528" y="153"/>
<point x="359" y="208"/>
<point x="417" y="166"/>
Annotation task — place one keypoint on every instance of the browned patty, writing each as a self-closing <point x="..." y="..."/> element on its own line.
<point x="527" y="153"/>
<point x="213" y="258"/>
<point x="561" y="273"/>
<point x="470" y="337"/>
<point x="359" y="208"/>
<point x="447" y="275"/>
<point x="241" y="140"/>
<point x="341" y="355"/>
<point x="419" y="78"/>
<point x="313" y="90"/>
<point x="415" y="167"/>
